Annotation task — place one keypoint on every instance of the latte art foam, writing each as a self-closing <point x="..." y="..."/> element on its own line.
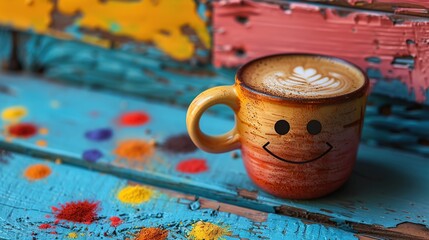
<point x="302" y="76"/>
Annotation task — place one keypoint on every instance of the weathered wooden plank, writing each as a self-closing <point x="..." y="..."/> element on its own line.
<point x="381" y="193"/>
<point x="391" y="49"/>
<point x="154" y="28"/>
<point x="399" y="7"/>
<point x="28" y="209"/>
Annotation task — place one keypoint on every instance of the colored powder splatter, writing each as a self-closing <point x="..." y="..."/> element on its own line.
<point x="100" y="134"/>
<point x="43" y="131"/>
<point x="135" y="194"/>
<point x="41" y="143"/>
<point x="179" y="144"/>
<point x="135" y="149"/>
<point x="79" y="211"/>
<point x="72" y="235"/>
<point x="205" y="230"/>
<point x="132" y="119"/>
<point x="45" y="226"/>
<point x="152" y="234"/>
<point x="115" y="221"/>
<point x="22" y="130"/>
<point x="192" y="166"/>
<point x="37" y="171"/>
<point x="92" y="155"/>
<point x="14" y="114"/>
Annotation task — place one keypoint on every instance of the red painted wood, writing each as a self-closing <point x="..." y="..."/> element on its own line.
<point x="244" y="30"/>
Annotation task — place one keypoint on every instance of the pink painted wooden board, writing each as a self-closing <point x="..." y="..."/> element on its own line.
<point x="244" y="30"/>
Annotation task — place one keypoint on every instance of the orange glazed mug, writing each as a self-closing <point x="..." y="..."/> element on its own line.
<point x="298" y="122"/>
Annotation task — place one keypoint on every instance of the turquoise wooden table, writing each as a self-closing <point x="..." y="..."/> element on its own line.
<point x="93" y="98"/>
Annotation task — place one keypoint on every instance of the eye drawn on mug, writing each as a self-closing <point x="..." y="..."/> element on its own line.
<point x="282" y="127"/>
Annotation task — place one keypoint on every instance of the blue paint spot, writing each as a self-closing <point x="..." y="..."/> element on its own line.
<point x="195" y="205"/>
<point x="92" y="155"/>
<point x="114" y="27"/>
<point x="100" y="134"/>
<point x="375" y="60"/>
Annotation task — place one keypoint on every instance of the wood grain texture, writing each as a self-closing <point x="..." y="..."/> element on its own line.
<point x="149" y="27"/>
<point x="387" y="47"/>
<point x="387" y="187"/>
<point x="25" y="206"/>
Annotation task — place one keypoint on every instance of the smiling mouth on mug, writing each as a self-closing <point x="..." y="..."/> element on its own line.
<point x="265" y="147"/>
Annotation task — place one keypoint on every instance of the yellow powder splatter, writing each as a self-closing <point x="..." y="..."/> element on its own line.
<point x="135" y="194"/>
<point x="58" y="161"/>
<point x="73" y="235"/>
<point x="157" y="21"/>
<point x="135" y="150"/>
<point x="35" y="15"/>
<point x="55" y="104"/>
<point x="14" y="114"/>
<point x="41" y="143"/>
<point x="37" y="171"/>
<point x="43" y="131"/>
<point x="205" y="230"/>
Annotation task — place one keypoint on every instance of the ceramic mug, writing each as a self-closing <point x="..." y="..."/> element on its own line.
<point x="292" y="147"/>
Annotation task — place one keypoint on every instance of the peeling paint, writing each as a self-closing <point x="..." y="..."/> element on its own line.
<point x="355" y="36"/>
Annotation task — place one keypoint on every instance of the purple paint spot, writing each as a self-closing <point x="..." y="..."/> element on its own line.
<point x="100" y="134"/>
<point x="92" y="155"/>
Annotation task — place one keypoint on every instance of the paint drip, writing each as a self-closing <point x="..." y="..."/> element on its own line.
<point x="179" y="144"/>
<point x="133" y="119"/>
<point x="205" y="230"/>
<point x="79" y="211"/>
<point x="37" y="171"/>
<point x="152" y="234"/>
<point x="135" y="149"/>
<point x="135" y="194"/>
<point x="14" y="114"/>
<point x="92" y="155"/>
<point x="192" y="166"/>
<point x="115" y="221"/>
<point x="99" y="135"/>
<point x="22" y="130"/>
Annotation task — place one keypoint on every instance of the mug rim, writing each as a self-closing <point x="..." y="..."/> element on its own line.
<point x="340" y="98"/>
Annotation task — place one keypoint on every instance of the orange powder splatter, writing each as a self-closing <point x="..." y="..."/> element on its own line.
<point x="135" y="150"/>
<point x="152" y="234"/>
<point x="37" y="171"/>
<point x="43" y="131"/>
<point x="41" y="143"/>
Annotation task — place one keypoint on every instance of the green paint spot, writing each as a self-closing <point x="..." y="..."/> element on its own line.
<point x="114" y="27"/>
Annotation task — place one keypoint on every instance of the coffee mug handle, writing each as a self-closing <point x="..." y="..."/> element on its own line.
<point x="215" y="144"/>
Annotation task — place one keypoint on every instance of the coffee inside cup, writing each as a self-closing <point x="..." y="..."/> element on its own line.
<point x="302" y="76"/>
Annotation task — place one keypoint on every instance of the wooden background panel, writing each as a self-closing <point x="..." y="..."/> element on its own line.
<point x="153" y="28"/>
<point x="390" y="49"/>
<point x="392" y="194"/>
<point x="26" y="210"/>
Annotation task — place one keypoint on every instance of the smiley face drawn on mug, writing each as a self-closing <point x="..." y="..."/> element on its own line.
<point x="282" y="127"/>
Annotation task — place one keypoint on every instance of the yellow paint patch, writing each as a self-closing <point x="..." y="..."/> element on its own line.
<point x="205" y="230"/>
<point x="41" y="143"/>
<point x="135" y="194"/>
<point x="35" y="15"/>
<point x="72" y="235"/>
<point x="160" y="22"/>
<point x="15" y="113"/>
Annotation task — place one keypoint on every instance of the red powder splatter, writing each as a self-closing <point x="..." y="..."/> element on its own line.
<point x="133" y="119"/>
<point x="80" y="211"/>
<point x="193" y="165"/>
<point x="115" y="221"/>
<point x="23" y="130"/>
<point x="45" y="226"/>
